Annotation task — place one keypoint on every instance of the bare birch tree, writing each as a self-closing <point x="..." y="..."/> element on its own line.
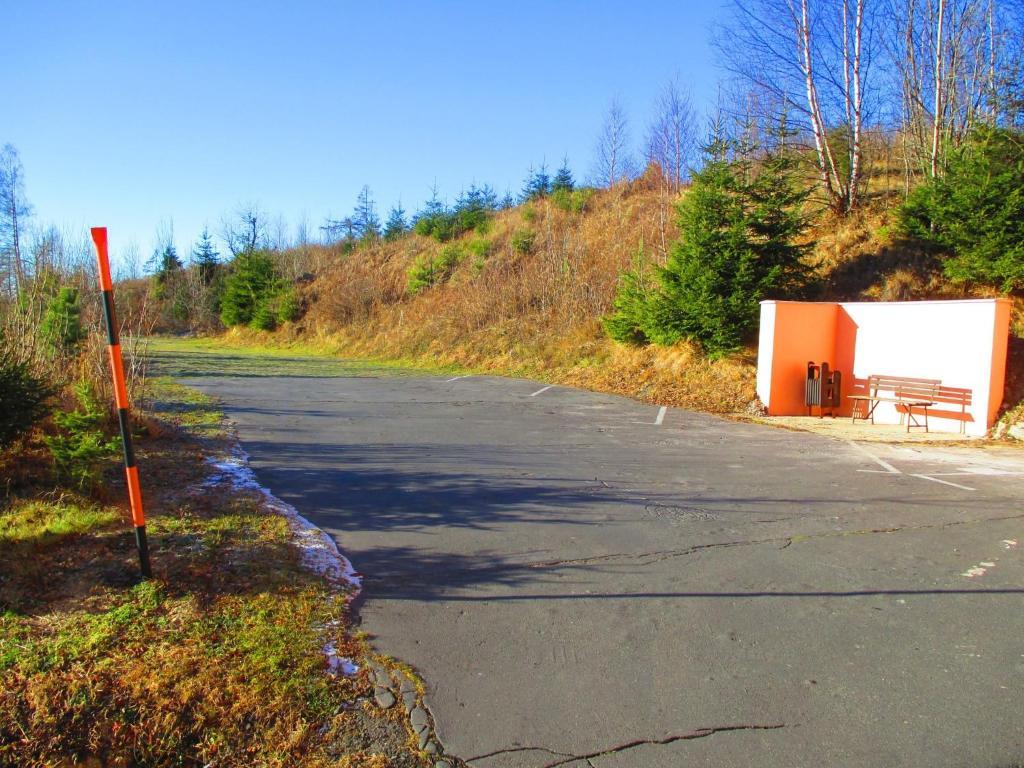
<point x="958" y="62"/>
<point x="672" y="136"/>
<point x="946" y="65"/>
<point x="14" y="210"/>
<point x="937" y="102"/>
<point x="813" y="57"/>
<point x="129" y="262"/>
<point x="613" y="161"/>
<point x="246" y="230"/>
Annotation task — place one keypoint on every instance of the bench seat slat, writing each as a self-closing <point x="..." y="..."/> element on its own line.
<point x="903" y="400"/>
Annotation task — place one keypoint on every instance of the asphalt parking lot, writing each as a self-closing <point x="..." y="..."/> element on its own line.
<point x="584" y="580"/>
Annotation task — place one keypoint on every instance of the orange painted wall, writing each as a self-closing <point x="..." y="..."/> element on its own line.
<point x="804" y="331"/>
<point x="845" y="356"/>
<point x="1000" y="343"/>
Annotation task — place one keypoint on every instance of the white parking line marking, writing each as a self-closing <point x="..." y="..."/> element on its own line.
<point x="884" y="464"/>
<point x="991" y="471"/>
<point x="945" y="482"/>
<point x="981" y="471"/>
<point x="456" y="379"/>
<point x="545" y="389"/>
<point x="661" y="415"/>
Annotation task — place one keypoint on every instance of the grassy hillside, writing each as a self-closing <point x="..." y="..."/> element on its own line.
<point x="526" y="296"/>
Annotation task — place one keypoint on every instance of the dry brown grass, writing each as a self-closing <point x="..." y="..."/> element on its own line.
<point x="537" y="313"/>
<point x="534" y="313"/>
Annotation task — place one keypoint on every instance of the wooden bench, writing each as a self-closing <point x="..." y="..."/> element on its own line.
<point x="907" y="394"/>
<point x="947" y="399"/>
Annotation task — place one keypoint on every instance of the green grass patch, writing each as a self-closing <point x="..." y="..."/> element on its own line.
<point x="187" y="407"/>
<point x="224" y="356"/>
<point x="40" y="523"/>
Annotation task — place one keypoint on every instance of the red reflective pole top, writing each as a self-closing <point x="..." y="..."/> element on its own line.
<point x="99" y="239"/>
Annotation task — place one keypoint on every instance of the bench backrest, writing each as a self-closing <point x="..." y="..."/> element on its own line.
<point x="954" y="396"/>
<point x="905" y="386"/>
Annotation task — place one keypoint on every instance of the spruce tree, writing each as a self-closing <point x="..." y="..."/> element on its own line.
<point x="435" y="206"/>
<point x="434" y="220"/>
<point x="364" y="218"/>
<point x="249" y="288"/>
<point x="23" y="394"/>
<point x="473" y="208"/>
<point x="395" y="226"/>
<point x="975" y="212"/>
<point x="738" y="226"/>
<point x="167" y="283"/>
<point x="542" y="181"/>
<point x="166" y="263"/>
<point x="736" y="247"/>
<point x="527" y="194"/>
<point x="62" y="321"/>
<point x="631" y="316"/>
<point x="563" y="179"/>
<point x="537" y="184"/>
<point x="205" y="257"/>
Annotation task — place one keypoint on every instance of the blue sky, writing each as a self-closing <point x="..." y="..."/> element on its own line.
<point x="128" y="114"/>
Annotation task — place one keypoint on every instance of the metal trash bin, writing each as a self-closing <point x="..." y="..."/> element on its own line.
<point x="822" y="389"/>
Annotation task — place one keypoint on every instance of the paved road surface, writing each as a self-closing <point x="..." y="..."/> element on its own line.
<point x="584" y="580"/>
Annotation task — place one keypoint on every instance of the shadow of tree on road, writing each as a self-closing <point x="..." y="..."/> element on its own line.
<point x="435" y="491"/>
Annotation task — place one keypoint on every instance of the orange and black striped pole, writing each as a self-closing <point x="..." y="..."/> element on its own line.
<point x="99" y="239"/>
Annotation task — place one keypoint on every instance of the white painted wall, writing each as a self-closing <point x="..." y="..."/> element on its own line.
<point x="947" y="340"/>
<point x="765" y="350"/>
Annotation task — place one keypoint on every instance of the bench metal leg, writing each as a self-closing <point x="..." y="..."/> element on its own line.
<point x="912" y="422"/>
<point x="869" y="415"/>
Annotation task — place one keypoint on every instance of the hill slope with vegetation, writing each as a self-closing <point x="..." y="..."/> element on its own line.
<point x="546" y="288"/>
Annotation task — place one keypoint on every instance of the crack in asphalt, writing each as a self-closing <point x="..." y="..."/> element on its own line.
<point x="657" y="556"/>
<point x="646" y="558"/>
<point x="564" y="758"/>
<point x="514" y="750"/>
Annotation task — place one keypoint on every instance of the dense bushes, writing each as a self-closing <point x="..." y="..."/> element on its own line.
<point x="255" y="294"/>
<point x="41" y="334"/>
<point x="736" y="247"/>
<point x="81" y="448"/>
<point x="572" y="200"/>
<point x="23" y="396"/>
<point x="631" y="309"/>
<point x="62" y="322"/>
<point x="975" y="211"/>
<point x="472" y="212"/>
<point x="522" y="240"/>
<point x="53" y="364"/>
<point x="428" y="270"/>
